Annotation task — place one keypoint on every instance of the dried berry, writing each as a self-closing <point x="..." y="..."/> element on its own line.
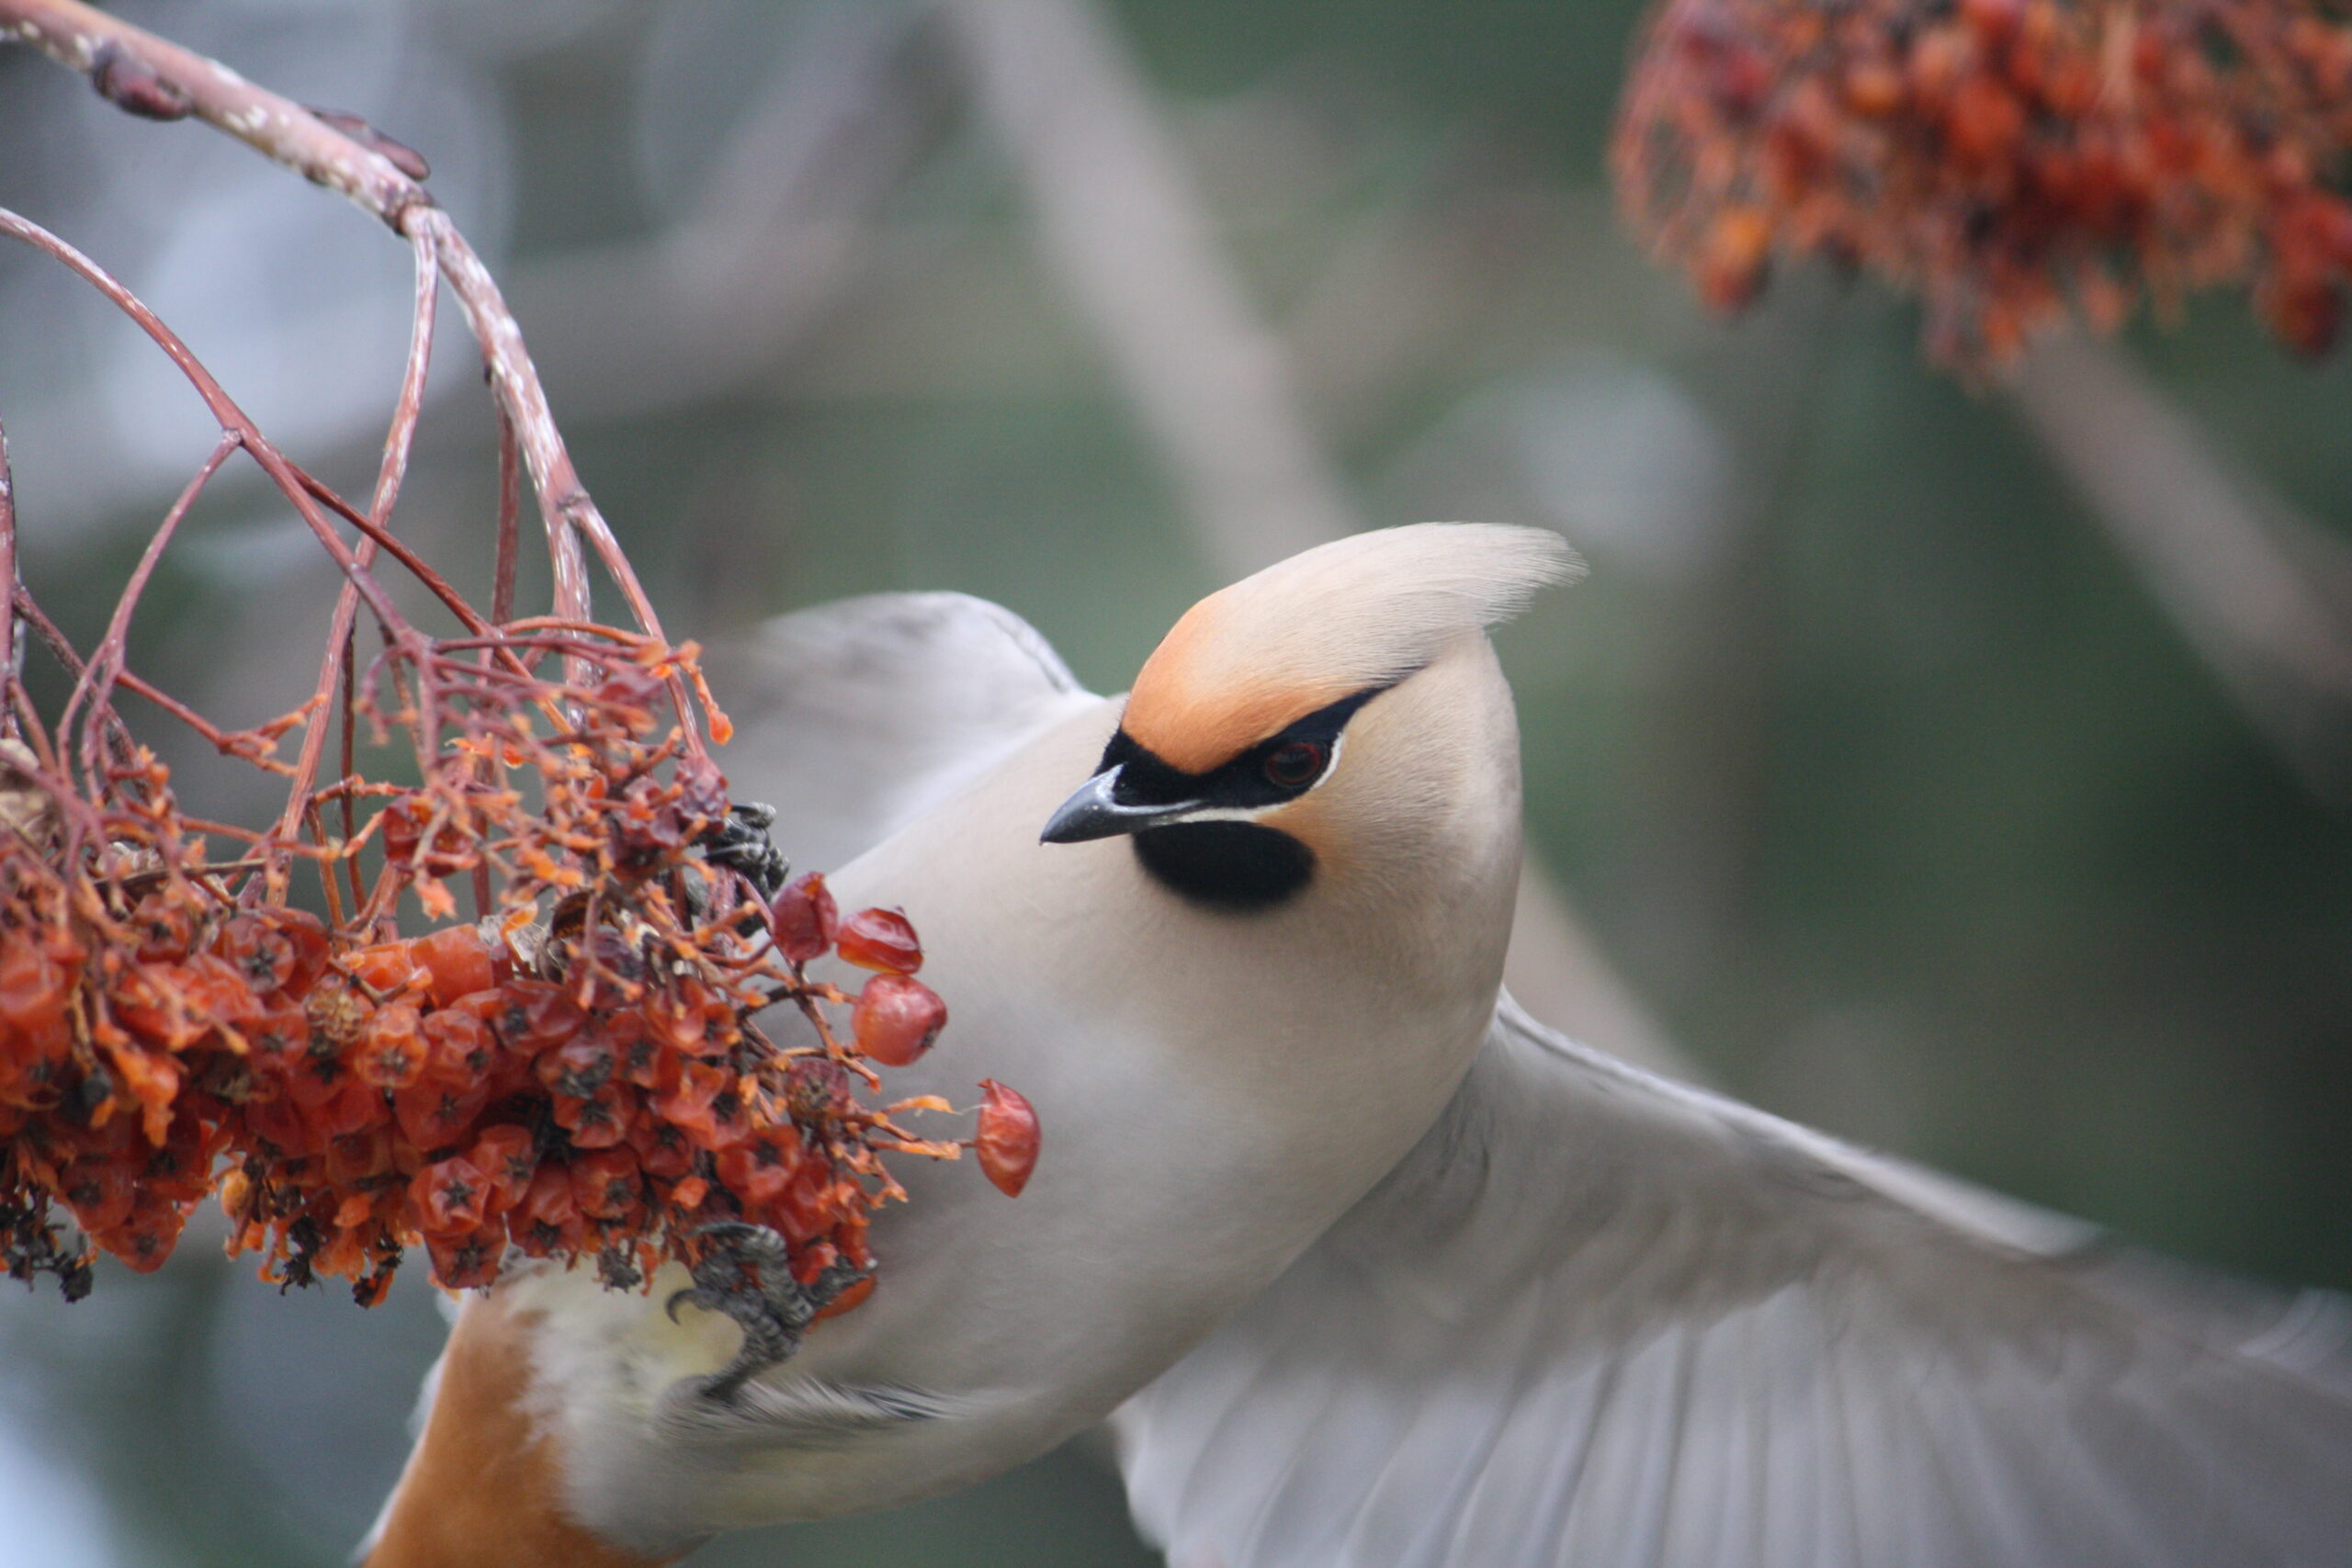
<point x="2009" y="160"/>
<point x="807" y="920"/>
<point x="880" y="938"/>
<point x="1007" y="1139"/>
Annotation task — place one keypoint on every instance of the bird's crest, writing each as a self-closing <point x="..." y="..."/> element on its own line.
<point x="1357" y="612"/>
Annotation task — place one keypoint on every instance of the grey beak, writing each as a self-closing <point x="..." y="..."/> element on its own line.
<point x="1092" y="813"/>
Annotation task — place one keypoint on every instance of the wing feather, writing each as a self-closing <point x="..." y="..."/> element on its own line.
<point x="1605" y="1320"/>
<point x="854" y="717"/>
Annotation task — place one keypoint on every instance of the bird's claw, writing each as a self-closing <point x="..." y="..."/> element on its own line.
<point x="747" y="1275"/>
<point x="741" y="845"/>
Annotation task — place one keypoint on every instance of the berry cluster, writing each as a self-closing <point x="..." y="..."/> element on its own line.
<point x="2004" y="158"/>
<point x="576" y="1075"/>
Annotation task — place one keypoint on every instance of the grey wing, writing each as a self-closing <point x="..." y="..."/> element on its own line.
<point x="1598" y="1319"/>
<point x="854" y="717"/>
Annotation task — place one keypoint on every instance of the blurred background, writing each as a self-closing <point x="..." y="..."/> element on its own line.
<point x="1961" y="771"/>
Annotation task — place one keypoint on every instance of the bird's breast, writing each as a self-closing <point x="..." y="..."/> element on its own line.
<point x="1214" y="1089"/>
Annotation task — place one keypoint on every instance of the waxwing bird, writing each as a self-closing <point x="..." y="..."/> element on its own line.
<point x="1367" y="1268"/>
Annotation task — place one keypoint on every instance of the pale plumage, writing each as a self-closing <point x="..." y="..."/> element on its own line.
<point x="1567" y="1313"/>
<point x="1357" y="612"/>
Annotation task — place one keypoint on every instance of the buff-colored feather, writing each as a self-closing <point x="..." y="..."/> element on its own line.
<point x="1359" y="611"/>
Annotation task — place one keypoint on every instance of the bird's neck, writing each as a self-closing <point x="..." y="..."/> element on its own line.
<point x="484" y="1487"/>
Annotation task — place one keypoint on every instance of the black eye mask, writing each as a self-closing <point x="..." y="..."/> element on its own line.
<point x="1282" y="767"/>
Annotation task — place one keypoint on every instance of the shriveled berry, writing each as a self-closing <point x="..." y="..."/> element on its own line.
<point x="605" y="1184"/>
<point x="448" y="1195"/>
<point x="465" y="1259"/>
<point x="547" y="1219"/>
<point x="507" y="1157"/>
<point x="458" y="1046"/>
<point x="361" y="1156"/>
<point x="434" y="1115"/>
<point x="1007" y="1139"/>
<point x="598" y="1121"/>
<point x="458" y="960"/>
<point x="578" y="1069"/>
<point x="808" y="921"/>
<point x="392" y="1047"/>
<point x="880" y="938"/>
<point x="537" y="1014"/>
<point x="760" y="1170"/>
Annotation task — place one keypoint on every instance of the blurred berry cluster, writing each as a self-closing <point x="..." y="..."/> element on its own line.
<point x="2007" y="159"/>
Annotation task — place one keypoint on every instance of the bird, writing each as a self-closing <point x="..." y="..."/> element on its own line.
<point x="1363" y="1266"/>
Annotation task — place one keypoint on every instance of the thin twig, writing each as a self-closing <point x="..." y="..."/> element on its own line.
<point x="150" y="75"/>
<point x="502" y="587"/>
<point x="9" y="673"/>
<point x="224" y="410"/>
<point x="158" y="79"/>
<point x="397" y="444"/>
<point x="95" y="688"/>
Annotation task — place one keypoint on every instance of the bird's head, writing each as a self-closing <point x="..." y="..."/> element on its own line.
<point x="1340" y="709"/>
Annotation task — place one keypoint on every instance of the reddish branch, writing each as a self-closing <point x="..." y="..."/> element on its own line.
<point x="580" y="1073"/>
<point x="149" y="75"/>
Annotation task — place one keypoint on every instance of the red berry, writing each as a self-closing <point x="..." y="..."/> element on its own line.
<point x="547" y="1218"/>
<point x="464" y="1259"/>
<point x="536" y="1015"/>
<point x="392" y="1047"/>
<point x="881" y="939"/>
<point x="806" y="919"/>
<point x="1007" y="1139"/>
<point x="598" y="1121"/>
<point x="605" y="1186"/>
<point x="758" y="1170"/>
<point x="507" y="1157"/>
<point x="897" y="1018"/>
<point x="448" y="1196"/>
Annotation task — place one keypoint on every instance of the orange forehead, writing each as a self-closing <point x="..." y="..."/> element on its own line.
<point x="1195" y="712"/>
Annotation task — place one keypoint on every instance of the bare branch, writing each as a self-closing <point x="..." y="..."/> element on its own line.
<point x="150" y="75"/>
<point x="8" y="661"/>
<point x="156" y="78"/>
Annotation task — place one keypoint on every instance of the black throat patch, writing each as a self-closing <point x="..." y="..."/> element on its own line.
<point x="1239" y="866"/>
<point x="1233" y="865"/>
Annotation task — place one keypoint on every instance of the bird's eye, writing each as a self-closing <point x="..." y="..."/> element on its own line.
<point x="1296" y="765"/>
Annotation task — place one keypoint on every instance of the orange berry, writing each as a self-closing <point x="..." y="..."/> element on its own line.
<point x="537" y="1014"/>
<point x="849" y="1297"/>
<point x="448" y="1195"/>
<point x="462" y="1260"/>
<point x="392" y="1047"/>
<point x="458" y="960"/>
<point x="605" y="1184"/>
<point x="507" y="1157"/>
<point x="760" y="1170"/>
<point x="547" y="1219"/>
<point x="1873" y="88"/>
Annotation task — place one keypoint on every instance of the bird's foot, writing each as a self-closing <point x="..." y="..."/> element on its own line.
<point x="747" y="1275"/>
<point x="741" y="845"/>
